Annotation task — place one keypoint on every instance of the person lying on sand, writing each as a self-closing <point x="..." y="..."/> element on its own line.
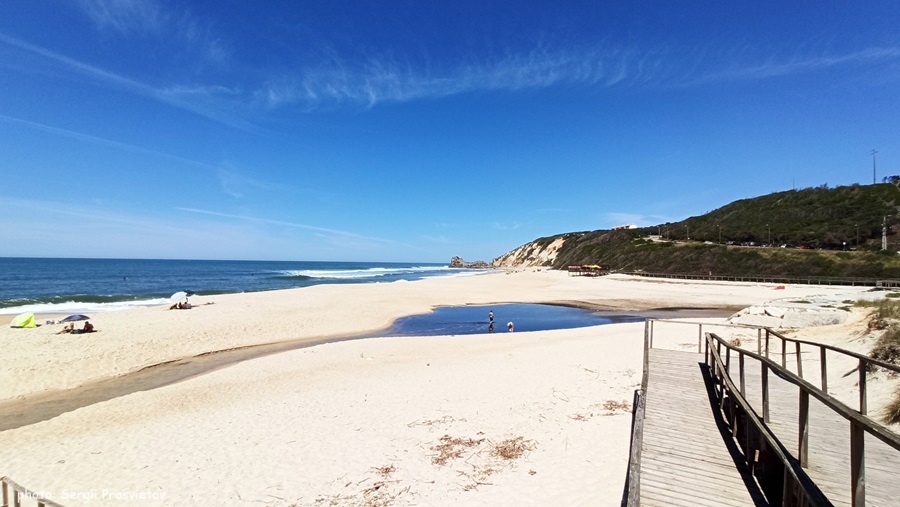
<point x="182" y="305"/>
<point x="67" y="329"/>
<point x="88" y="328"/>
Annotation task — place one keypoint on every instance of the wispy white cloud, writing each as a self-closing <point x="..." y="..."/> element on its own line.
<point x="201" y="100"/>
<point x="798" y="65"/>
<point x="152" y="18"/>
<point x="379" y="80"/>
<point x="325" y="230"/>
<point x="338" y="80"/>
<point x="235" y="182"/>
<point x="124" y="15"/>
<point x="383" y="80"/>
<point x="101" y="141"/>
<point x="506" y="227"/>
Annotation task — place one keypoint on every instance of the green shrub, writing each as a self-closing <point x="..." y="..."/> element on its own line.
<point x="883" y="312"/>
<point x="887" y="348"/>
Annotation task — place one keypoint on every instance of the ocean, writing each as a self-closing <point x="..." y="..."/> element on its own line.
<point x="63" y="286"/>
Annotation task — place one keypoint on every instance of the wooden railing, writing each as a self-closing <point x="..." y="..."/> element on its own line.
<point x="780" y="475"/>
<point x="631" y="495"/>
<point x="864" y="363"/>
<point x="860" y="424"/>
<point x="806" y="280"/>
<point x="13" y="494"/>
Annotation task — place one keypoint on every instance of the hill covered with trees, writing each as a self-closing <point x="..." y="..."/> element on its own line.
<point x="834" y="232"/>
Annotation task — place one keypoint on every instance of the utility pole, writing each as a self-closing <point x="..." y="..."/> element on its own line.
<point x="873" y="165"/>
<point x="884" y="233"/>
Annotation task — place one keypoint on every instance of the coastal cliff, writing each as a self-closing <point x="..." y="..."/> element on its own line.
<point x="542" y="252"/>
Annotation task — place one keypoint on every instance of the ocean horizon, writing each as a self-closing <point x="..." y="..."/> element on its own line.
<point x="79" y="285"/>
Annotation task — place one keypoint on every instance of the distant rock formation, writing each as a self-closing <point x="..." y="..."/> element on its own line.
<point x="457" y="262"/>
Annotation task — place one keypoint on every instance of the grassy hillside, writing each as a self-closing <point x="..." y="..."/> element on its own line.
<point x="814" y="217"/>
<point x="840" y="229"/>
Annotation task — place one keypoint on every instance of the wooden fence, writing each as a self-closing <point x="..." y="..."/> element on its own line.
<point x="806" y="280"/>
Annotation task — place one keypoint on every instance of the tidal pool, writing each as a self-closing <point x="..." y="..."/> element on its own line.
<point x="449" y="320"/>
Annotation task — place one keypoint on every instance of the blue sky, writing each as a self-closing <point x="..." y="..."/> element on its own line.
<point x="415" y="131"/>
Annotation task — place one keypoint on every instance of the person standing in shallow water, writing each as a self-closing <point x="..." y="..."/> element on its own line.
<point x="511" y="326"/>
<point x="491" y="316"/>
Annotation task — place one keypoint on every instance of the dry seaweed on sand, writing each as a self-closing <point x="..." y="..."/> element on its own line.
<point x="452" y="448"/>
<point x="512" y="448"/>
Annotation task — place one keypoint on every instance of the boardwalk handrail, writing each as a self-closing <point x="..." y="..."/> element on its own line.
<point x="859" y="422"/>
<point x="18" y="491"/>
<point x="875" y="429"/>
<point x="808" y="280"/>
<point x="762" y="348"/>
<point x="631" y="496"/>
<point x="761" y="440"/>
<point x="862" y="367"/>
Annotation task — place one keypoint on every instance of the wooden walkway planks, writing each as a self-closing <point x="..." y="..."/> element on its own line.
<point x="685" y="458"/>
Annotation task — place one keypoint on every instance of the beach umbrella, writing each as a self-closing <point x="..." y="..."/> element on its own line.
<point x="75" y="318"/>
<point x="178" y="296"/>
<point x="23" y="320"/>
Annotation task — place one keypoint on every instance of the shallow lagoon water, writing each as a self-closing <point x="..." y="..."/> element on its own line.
<point x="452" y="320"/>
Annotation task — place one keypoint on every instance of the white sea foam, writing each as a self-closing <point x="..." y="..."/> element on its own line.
<point x="71" y="307"/>
<point x="351" y="274"/>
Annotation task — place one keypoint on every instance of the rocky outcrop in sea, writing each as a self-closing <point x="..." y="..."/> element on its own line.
<point x="458" y="262"/>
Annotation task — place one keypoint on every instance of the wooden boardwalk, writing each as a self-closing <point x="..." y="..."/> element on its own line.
<point x="688" y="458"/>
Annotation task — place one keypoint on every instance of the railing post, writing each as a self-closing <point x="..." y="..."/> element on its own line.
<point x="709" y="360"/>
<point x="728" y="361"/>
<point x="857" y="465"/>
<point x="863" y="405"/>
<point x="16" y="501"/>
<point x="767" y="343"/>
<point x="651" y="334"/>
<point x="759" y="342"/>
<point x="743" y="379"/>
<point x="5" y="489"/>
<point x="824" y="369"/>
<point x="699" y="338"/>
<point x="783" y="353"/>
<point x="764" y="377"/>
<point x="803" y="438"/>
<point x="799" y="362"/>
<point x="726" y="374"/>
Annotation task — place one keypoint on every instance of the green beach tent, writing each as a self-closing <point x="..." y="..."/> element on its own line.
<point x="23" y="320"/>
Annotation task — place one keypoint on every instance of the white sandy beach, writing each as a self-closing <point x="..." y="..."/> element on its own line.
<point x="531" y="418"/>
